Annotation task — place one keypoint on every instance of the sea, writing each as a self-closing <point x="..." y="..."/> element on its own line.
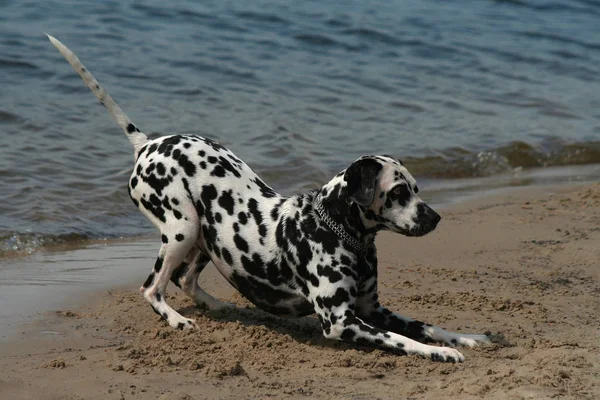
<point x="472" y="95"/>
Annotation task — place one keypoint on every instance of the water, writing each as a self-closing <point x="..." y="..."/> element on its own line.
<point x="464" y="89"/>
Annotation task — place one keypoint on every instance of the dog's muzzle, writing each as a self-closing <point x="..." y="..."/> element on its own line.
<point x="426" y="220"/>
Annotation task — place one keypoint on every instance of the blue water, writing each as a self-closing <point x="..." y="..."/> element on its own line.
<point x="298" y="89"/>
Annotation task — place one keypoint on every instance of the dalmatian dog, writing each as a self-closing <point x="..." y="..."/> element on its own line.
<point x="291" y="256"/>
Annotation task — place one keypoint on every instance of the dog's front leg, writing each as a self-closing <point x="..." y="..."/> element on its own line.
<point x="334" y="305"/>
<point x="420" y="331"/>
<point x="348" y="327"/>
<point x="370" y="310"/>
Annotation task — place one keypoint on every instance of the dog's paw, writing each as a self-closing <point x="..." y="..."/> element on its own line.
<point x="446" y="354"/>
<point x="469" y="340"/>
<point x="185" y="324"/>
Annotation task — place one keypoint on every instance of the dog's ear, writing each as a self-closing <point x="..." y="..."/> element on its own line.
<point x="361" y="178"/>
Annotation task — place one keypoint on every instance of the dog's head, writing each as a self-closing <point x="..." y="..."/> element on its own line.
<point x="386" y="193"/>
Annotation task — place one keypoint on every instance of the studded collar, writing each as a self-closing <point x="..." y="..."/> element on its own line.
<point x="338" y="228"/>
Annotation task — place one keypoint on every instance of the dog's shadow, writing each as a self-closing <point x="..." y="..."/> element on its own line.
<point x="303" y="330"/>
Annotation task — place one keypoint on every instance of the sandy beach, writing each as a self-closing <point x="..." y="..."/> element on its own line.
<point x="521" y="265"/>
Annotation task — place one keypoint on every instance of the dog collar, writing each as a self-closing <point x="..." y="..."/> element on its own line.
<point x="337" y="228"/>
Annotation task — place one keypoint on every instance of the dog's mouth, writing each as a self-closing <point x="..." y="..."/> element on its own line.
<point x="417" y="231"/>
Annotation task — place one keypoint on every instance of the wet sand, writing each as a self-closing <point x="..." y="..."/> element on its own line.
<point x="46" y="281"/>
<point x="522" y="265"/>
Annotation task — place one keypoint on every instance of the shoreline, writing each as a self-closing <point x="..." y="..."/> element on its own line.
<point x="521" y="264"/>
<point x="110" y="264"/>
<point x="439" y="193"/>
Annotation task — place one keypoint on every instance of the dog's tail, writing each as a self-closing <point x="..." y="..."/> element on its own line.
<point x="135" y="136"/>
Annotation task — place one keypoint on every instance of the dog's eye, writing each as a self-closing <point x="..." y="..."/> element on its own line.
<point x="400" y="193"/>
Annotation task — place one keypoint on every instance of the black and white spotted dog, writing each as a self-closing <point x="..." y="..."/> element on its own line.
<point x="292" y="256"/>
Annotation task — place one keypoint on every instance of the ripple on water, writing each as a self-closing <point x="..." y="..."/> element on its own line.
<point x="298" y="90"/>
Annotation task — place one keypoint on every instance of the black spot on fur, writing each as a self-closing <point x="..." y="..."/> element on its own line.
<point x="227" y="256"/>
<point x="164" y="239"/>
<point x="262" y="230"/>
<point x="208" y="194"/>
<point x="328" y="239"/>
<point x="327" y="271"/>
<point x="187" y="165"/>
<point x="273" y="274"/>
<point x="149" y="280"/>
<point x="154" y="208"/>
<point x="226" y="201"/>
<point x="154" y="181"/>
<point x="155" y="200"/>
<point x="218" y="171"/>
<point x="210" y="236"/>
<point x="253" y="208"/>
<point x="314" y="280"/>
<point x="165" y="203"/>
<point x="179" y="237"/>
<point x="265" y="190"/>
<point x="240" y="243"/>
<point x="216" y="146"/>
<point x="131" y="127"/>
<point x="178" y="273"/>
<point x="158" y="264"/>
<point x="254" y="266"/>
<point x="340" y="297"/>
<point x="227" y="167"/>
<point x="347" y="334"/>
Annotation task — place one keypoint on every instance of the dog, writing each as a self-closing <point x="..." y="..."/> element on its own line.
<point x="292" y="256"/>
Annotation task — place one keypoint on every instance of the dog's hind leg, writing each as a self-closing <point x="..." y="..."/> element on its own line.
<point x="176" y="247"/>
<point x="186" y="278"/>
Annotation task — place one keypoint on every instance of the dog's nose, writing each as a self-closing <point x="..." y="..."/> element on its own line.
<point x="435" y="217"/>
<point x="432" y="216"/>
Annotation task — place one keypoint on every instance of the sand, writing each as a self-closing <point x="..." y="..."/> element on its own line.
<point x="522" y="266"/>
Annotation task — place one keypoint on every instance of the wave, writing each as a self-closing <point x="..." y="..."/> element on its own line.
<point x="14" y="244"/>
<point x="458" y="162"/>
